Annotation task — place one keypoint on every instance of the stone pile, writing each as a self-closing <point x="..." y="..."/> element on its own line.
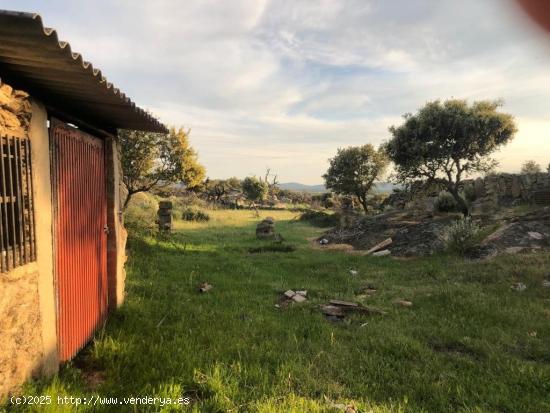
<point x="266" y="229"/>
<point x="15" y="111"/>
<point x="165" y="216"/>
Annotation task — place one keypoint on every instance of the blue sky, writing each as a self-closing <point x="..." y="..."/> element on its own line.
<point x="283" y="84"/>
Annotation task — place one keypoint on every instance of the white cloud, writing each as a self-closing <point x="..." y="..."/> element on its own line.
<point x="284" y="83"/>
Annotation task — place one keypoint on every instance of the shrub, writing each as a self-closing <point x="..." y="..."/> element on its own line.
<point x="141" y="213"/>
<point x="320" y="218"/>
<point x="461" y="236"/>
<point x="468" y="193"/>
<point x="445" y="202"/>
<point x="191" y="214"/>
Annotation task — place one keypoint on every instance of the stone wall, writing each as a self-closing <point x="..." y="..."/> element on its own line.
<point x="504" y="189"/>
<point x="20" y="326"/>
<point x="489" y="193"/>
<point x="15" y="111"/>
<point x="21" y="346"/>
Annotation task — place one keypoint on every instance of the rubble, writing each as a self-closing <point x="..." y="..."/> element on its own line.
<point x="338" y="309"/>
<point x="518" y="287"/>
<point x="204" y="287"/>
<point x="410" y="234"/>
<point x="298" y="296"/>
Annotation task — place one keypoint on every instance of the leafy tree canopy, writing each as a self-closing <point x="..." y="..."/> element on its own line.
<point x="254" y="189"/>
<point x="354" y="170"/>
<point x="530" y="167"/>
<point x="446" y="141"/>
<point x="154" y="160"/>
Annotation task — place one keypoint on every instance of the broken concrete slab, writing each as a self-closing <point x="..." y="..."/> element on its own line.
<point x="289" y="293"/>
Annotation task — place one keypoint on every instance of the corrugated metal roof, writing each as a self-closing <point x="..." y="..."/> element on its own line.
<point x="33" y="59"/>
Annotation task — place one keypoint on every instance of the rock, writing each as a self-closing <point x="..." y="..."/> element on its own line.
<point x="204" y="287"/>
<point x="266" y="229"/>
<point x="332" y="310"/>
<point x="546" y="283"/>
<point x="383" y="253"/>
<point x="296" y="296"/>
<point x="518" y="287"/>
<point x="299" y="298"/>
<point x="6" y="89"/>
<point x="289" y="294"/>
<point x="10" y="121"/>
<point x="5" y="99"/>
<point x="353" y="272"/>
<point x="514" y="250"/>
<point x="535" y="235"/>
<point x="323" y="241"/>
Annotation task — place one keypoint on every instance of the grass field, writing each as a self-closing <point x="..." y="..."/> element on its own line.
<point x="469" y="343"/>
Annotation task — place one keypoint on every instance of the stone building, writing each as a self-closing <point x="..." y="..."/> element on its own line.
<point x="62" y="236"/>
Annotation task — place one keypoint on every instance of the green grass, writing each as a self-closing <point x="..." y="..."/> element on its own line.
<point x="468" y="344"/>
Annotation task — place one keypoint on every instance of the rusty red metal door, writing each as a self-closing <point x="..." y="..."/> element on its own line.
<point x="80" y="219"/>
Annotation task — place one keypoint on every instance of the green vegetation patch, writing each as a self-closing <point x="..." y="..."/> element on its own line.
<point x="466" y="343"/>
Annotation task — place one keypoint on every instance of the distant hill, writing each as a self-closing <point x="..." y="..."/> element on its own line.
<point x="295" y="186"/>
<point x="382" y="187"/>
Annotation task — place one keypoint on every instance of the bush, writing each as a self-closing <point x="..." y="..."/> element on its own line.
<point x="461" y="236"/>
<point x="141" y="213"/>
<point x="468" y="193"/>
<point x="320" y="218"/>
<point x="191" y="214"/>
<point x="445" y="202"/>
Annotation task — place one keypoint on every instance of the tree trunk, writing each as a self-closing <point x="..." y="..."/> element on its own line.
<point x="127" y="200"/>
<point x="462" y="206"/>
<point x="363" y="202"/>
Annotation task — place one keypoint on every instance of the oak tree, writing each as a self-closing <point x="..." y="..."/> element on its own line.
<point x="446" y="141"/>
<point x="354" y="170"/>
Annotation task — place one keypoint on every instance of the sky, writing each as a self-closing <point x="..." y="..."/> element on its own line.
<point x="284" y="84"/>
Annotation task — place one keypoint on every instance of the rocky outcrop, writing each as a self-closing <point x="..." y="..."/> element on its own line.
<point x="15" y="111"/>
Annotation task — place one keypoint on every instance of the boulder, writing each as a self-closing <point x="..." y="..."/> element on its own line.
<point x="266" y="229"/>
